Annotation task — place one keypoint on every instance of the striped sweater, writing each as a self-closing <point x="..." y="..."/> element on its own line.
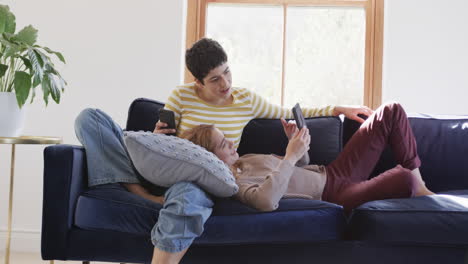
<point x="231" y="119"/>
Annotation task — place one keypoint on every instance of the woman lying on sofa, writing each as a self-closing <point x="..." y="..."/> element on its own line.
<point x="264" y="179"/>
<point x="210" y="98"/>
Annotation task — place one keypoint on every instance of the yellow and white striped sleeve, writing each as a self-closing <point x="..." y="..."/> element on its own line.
<point x="313" y="112"/>
<point x="261" y="108"/>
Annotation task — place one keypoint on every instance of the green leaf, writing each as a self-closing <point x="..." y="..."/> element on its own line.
<point x="46" y="61"/>
<point x="37" y="64"/>
<point x="63" y="83"/>
<point x="58" y="54"/>
<point x="3" y="69"/>
<point x="49" y="68"/>
<point x="5" y="40"/>
<point x="10" y="26"/>
<point x="7" y="20"/>
<point x="54" y="88"/>
<point x="22" y="86"/>
<point x="27" y="35"/>
<point x="3" y="17"/>
<point x="46" y="88"/>
<point x="11" y="48"/>
<point x="27" y="63"/>
<point x="36" y="80"/>
<point x="40" y="57"/>
<point x="33" y="94"/>
<point x="56" y="77"/>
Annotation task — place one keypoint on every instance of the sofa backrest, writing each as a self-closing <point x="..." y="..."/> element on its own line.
<point x="262" y="136"/>
<point x="442" y="146"/>
<point x="143" y="114"/>
<point x="265" y="136"/>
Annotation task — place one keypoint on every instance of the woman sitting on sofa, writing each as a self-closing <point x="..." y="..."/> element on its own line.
<point x="264" y="179"/>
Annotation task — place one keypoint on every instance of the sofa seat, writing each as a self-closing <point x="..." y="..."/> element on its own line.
<point x="296" y="220"/>
<point x="441" y="219"/>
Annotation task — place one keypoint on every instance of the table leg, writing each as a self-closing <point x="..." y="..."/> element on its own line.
<point x="10" y="205"/>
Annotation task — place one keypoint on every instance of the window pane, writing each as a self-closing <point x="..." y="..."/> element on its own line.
<point x="252" y="37"/>
<point x="325" y="51"/>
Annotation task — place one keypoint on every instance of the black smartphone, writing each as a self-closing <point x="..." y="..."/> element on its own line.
<point x="167" y="116"/>
<point x="298" y="116"/>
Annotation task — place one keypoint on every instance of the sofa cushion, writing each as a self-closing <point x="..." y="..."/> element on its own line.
<point x="266" y="136"/>
<point x="437" y="219"/>
<point x="111" y="207"/>
<point x="166" y="160"/>
<point x="295" y="221"/>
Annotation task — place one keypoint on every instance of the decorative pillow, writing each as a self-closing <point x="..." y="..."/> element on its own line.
<point x="165" y="160"/>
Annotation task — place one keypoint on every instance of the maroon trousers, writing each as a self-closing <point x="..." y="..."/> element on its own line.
<point x="348" y="181"/>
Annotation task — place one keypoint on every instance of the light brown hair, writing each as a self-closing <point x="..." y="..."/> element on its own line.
<point x="201" y="135"/>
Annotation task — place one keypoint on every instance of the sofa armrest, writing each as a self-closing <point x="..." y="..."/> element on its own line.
<point x="65" y="178"/>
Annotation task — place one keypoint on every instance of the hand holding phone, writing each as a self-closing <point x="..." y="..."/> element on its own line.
<point x="298" y="116"/>
<point x="167" y="116"/>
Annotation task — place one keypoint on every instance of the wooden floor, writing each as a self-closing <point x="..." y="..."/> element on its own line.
<point x="34" y="258"/>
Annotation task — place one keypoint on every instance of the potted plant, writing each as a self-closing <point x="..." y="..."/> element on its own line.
<point x="23" y="67"/>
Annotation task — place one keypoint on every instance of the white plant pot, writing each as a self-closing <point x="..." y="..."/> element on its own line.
<point x="11" y="116"/>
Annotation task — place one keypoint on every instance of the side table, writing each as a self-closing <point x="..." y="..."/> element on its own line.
<point x="13" y="141"/>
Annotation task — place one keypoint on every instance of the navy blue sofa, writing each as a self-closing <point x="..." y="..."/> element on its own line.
<point x="107" y="223"/>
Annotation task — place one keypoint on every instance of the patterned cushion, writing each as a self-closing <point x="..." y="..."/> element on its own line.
<point x="165" y="160"/>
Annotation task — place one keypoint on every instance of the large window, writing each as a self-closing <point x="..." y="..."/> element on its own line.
<point x="315" y="52"/>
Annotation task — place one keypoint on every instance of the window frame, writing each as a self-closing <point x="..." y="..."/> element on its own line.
<point x="196" y="26"/>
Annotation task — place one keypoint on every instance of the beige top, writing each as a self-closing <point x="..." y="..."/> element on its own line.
<point x="264" y="179"/>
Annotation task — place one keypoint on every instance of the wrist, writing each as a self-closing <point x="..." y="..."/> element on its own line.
<point x="337" y="110"/>
<point x="291" y="159"/>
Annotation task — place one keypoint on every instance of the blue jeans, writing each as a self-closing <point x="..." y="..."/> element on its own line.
<point x="186" y="207"/>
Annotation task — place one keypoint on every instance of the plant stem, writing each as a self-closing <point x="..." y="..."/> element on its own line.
<point x="10" y="75"/>
<point x="7" y="75"/>
<point x="2" y="79"/>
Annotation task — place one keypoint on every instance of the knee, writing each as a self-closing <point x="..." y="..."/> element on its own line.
<point x="390" y="113"/>
<point x="89" y="117"/>
<point x="84" y="118"/>
<point x="392" y="108"/>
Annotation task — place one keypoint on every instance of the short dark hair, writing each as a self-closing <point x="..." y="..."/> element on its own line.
<point x="205" y="55"/>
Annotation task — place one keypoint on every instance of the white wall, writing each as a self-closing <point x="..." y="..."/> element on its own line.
<point x="426" y="55"/>
<point x="116" y="51"/>
<point x="119" y="50"/>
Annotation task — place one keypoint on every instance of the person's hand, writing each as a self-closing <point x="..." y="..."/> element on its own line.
<point x="289" y="128"/>
<point x="156" y="199"/>
<point x="298" y="145"/>
<point x="352" y="112"/>
<point x="159" y="129"/>
<point x="139" y="190"/>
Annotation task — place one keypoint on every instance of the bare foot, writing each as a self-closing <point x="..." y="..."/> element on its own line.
<point x="422" y="189"/>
